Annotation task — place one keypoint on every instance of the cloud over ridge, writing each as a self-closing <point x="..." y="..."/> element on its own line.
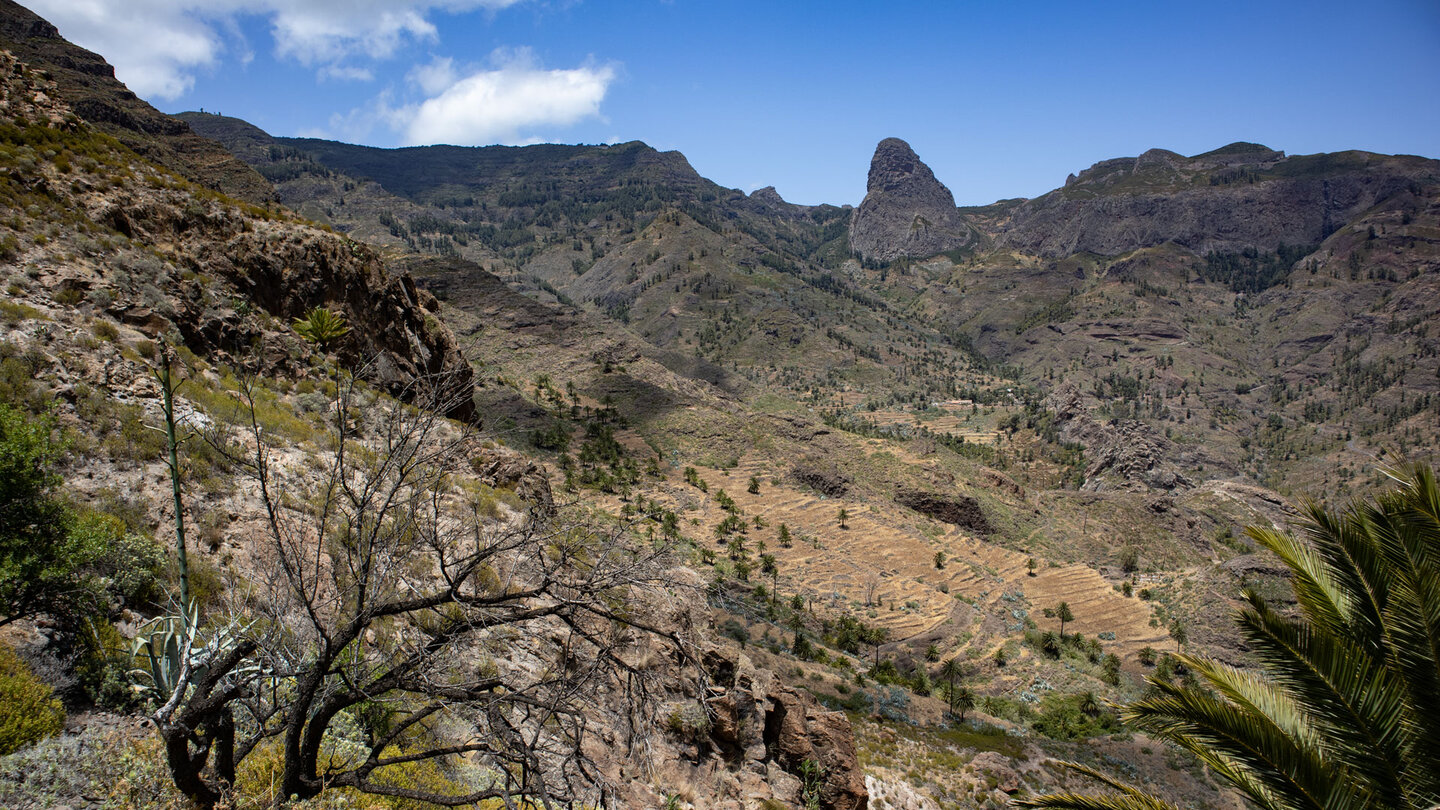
<point x="503" y="104"/>
<point x="158" y="45"/>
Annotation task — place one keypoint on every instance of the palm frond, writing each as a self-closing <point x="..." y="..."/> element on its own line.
<point x="1344" y="711"/>
<point x="1244" y="749"/>
<point x="1407" y="530"/>
<point x="1354" y="698"/>
<point x="1128" y="798"/>
<point x="1327" y="600"/>
<point x="1260" y="697"/>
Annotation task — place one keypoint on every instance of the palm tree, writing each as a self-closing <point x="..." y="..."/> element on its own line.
<point x="1342" y="712"/>
<point x="875" y="636"/>
<point x="770" y="568"/>
<point x="950" y="670"/>
<point x="965" y="701"/>
<point x="1062" y="612"/>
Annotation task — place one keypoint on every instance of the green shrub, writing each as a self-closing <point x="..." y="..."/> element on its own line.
<point x="39" y="561"/>
<point x="90" y="769"/>
<point x="29" y="711"/>
<point x="1067" y="717"/>
<point x="13" y="312"/>
<point x="103" y="664"/>
<point x="105" y="330"/>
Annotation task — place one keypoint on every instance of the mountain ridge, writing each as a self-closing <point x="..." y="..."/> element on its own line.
<point x="703" y="275"/>
<point x="868" y="467"/>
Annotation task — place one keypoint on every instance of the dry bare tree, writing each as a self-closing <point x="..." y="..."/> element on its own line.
<point x="393" y="589"/>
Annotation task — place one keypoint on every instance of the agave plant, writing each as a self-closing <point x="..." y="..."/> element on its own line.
<point x="1344" y="710"/>
<point x="172" y="656"/>
<point x="321" y="327"/>
<point x="164" y="645"/>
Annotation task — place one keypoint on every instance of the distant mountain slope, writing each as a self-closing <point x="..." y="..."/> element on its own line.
<point x="750" y="283"/>
<point x="1202" y="297"/>
<point x="1242" y="196"/>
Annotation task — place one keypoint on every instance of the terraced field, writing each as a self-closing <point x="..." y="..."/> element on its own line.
<point x="882" y="565"/>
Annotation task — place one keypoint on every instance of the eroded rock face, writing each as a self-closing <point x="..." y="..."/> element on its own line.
<point x="1241" y="196"/>
<point x="286" y="268"/>
<point x="906" y="211"/>
<point x="1123" y="453"/>
<point x="957" y="510"/>
<point x="827" y="481"/>
<point x="394" y="324"/>
<point x="769" y="729"/>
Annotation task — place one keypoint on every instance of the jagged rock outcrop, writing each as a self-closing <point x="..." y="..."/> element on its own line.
<point x="768" y="196"/>
<point x="395" y="326"/>
<point x="1237" y="197"/>
<point x="286" y="268"/>
<point x="1123" y="453"/>
<point x="906" y="211"/>
<point x="774" y="730"/>
<point x="503" y="468"/>
<point x="29" y="99"/>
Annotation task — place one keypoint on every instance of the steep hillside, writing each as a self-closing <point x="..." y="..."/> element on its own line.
<point x="1019" y="439"/>
<point x="87" y="85"/>
<point x="116" y="267"/>
<point x="1161" y="286"/>
<point x="1292" y="368"/>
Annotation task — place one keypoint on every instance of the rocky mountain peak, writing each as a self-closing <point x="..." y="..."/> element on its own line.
<point x="896" y="167"/>
<point x="767" y="195"/>
<point x="906" y="211"/>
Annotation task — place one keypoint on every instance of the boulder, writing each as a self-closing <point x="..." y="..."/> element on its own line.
<point x="829" y="482"/>
<point x="993" y="764"/>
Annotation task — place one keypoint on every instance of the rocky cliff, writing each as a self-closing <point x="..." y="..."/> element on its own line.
<point x="87" y="83"/>
<point x="1238" y="197"/>
<point x="211" y="264"/>
<point x="906" y="211"/>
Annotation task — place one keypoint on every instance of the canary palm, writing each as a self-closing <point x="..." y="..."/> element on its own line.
<point x="1342" y="711"/>
<point x="950" y="670"/>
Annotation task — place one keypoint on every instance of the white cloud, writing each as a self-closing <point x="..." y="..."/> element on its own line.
<point x="346" y="73"/>
<point x="155" y="49"/>
<point x="501" y="105"/>
<point x="157" y="46"/>
<point x="436" y="77"/>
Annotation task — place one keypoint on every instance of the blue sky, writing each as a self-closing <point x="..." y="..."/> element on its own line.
<point x="1001" y="99"/>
